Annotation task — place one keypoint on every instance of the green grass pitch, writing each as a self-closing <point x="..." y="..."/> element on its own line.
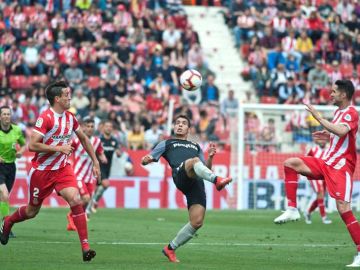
<point x="133" y="239"/>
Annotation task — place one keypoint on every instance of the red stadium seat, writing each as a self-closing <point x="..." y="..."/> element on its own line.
<point x="7" y="11"/>
<point x="245" y="50"/>
<point x="19" y="82"/>
<point x="93" y="82"/>
<point x="328" y="68"/>
<point x="29" y="11"/>
<point x="347" y="70"/>
<point x="268" y="100"/>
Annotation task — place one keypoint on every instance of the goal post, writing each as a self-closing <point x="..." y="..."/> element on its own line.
<point x="266" y="135"/>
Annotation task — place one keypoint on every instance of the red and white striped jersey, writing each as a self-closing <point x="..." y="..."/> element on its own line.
<point x="316" y="151"/>
<point x="82" y="161"/>
<point x="342" y="151"/>
<point x="56" y="129"/>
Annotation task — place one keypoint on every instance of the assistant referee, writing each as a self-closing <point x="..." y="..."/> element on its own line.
<point x="10" y="137"/>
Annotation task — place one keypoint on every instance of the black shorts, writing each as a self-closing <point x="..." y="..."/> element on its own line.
<point x="105" y="171"/>
<point x="7" y="175"/>
<point x="193" y="189"/>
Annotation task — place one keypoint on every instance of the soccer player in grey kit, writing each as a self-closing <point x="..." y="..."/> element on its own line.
<point x="189" y="169"/>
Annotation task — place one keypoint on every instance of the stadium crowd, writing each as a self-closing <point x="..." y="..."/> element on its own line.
<point x="297" y="49"/>
<point x="121" y="58"/>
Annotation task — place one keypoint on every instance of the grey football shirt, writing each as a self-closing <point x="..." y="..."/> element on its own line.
<point x="176" y="151"/>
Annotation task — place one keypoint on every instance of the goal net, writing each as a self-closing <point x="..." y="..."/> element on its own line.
<point x="266" y="136"/>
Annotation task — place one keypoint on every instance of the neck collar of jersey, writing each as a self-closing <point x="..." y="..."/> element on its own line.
<point x="6" y="131"/>
<point x="57" y="114"/>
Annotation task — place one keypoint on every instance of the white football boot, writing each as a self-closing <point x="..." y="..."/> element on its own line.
<point x="307" y="217"/>
<point x="325" y="220"/>
<point x="291" y="214"/>
<point x="356" y="262"/>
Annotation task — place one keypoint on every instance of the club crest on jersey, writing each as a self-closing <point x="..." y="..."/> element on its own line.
<point x="39" y="122"/>
<point x="347" y="117"/>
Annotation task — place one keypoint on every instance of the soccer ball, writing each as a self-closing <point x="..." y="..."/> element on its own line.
<point x="191" y="79"/>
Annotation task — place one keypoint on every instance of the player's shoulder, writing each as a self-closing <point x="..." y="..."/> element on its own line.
<point x="351" y="113"/>
<point x="15" y="127"/>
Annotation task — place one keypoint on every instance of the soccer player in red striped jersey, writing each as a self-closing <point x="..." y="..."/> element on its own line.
<point x="83" y="165"/>
<point x="318" y="186"/>
<point x="337" y="165"/>
<point x="51" y="142"/>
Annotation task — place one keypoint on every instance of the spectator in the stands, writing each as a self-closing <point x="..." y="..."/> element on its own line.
<point x="123" y="53"/>
<point x="68" y="53"/>
<point x="317" y="77"/>
<point x="290" y="93"/>
<point x="209" y="91"/>
<point x="87" y="58"/>
<point x="110" y="73"/>
<point x="244" y="27"/>
<point x="169" y="74"/>
<point x="152" y="135"/>
<point x="80" y="102"/>
<point x="170" y="37"/>
<point x="206" y="125"/>
<point x="229" y="105"/>
<point x="32" y="64"/>
<point x="195" y="56"/>
<point x="13" y="60"/>
<point x="136" y="138"/>
<point x="49" y="56"/>
<point x="73" y="74"/>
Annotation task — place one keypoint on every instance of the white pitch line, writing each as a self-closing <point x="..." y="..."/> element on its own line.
<point x="193" y="244"/>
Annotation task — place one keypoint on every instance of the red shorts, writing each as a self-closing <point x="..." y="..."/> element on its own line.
<point x="318" y="185"/>
<point x="85" y="188"/>
<point x="42" y="183"/>
<point x="338" y="182"/>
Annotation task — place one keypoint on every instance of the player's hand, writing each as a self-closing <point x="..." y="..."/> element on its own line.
<point x="18" y="155"/>
<point x="66" y="149"/>
<point x="322" y="135"/>
<point x="147" y="159"/>
<point x="96" y="172"/>
<point x="310" y="108"/>
<point x="212" y="149"/>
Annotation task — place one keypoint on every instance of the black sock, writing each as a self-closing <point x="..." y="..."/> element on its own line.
<point x="169" y="247"/>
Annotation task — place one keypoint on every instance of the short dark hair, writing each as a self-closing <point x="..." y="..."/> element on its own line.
<point x="347" y="87"/>
<point x="88" y="120"/>
<point x="55" y="90"/>
<point x="4" y="107"/>
<point x="185" y="117"/>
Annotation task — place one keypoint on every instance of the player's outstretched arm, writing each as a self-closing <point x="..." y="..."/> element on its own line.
<point x="155" y="154"/>
<point x="84" y="140"/>
<point x="337" y="129"/>
<point x="36" y="145"/>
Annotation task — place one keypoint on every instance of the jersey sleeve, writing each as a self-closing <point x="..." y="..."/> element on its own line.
<point x="158" y="150"/>
<point x="76" y="125"/>
<point x="201" y="155"/>
<point x="21" y="138"/>
<point x="100" y="149"/>
<point x="350" y="119"/>
<point x="42" y="125"/>
<point x="310" y="153"/>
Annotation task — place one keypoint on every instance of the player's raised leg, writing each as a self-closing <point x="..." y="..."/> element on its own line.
<point x="71" y="195"/>
<point x="195" y="167"/>
<point x="292" y="167"/>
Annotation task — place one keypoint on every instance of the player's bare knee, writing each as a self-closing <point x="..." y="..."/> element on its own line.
<point x="105" y="183"/>
<point x="292" y="163"/>
<point x="197" y="224"/>
<point x="342" y="206"/>
<point x="85" y="199"/>
<point x="32" y="212"/>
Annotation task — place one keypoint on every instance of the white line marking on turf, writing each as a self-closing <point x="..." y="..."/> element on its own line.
<point x="193" y="244"/>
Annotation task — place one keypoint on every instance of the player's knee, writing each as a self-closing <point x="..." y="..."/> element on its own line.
<point x="4" y="197"/>
<point x="342" y="206"/>
<point x="197" y="224"/>
<point x="292" y="163"/>
<point x="86" y="199"/>
<point x="105" y="183"/>
<point x="32" y="212"/>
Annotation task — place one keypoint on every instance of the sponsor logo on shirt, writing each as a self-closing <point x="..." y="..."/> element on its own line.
<point x="39" y="122"/>
<point x="61" y="137"/>
<point x="188" y="145"/>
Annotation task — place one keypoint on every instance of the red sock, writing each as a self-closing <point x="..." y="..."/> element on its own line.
<point x="19" y="215"/>
<point x="313" y="206"/>
<point x="291" y="184"/>
<point x="353" y="227"/>
<point x="321" y="207"/>
<point x="78" y="216"/>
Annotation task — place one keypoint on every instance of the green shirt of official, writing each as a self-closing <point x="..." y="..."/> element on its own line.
<point x="8" y="141"/>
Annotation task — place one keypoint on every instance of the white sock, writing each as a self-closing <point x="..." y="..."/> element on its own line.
<point x="204" y="172"/>
<point x="183" y="236"/>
